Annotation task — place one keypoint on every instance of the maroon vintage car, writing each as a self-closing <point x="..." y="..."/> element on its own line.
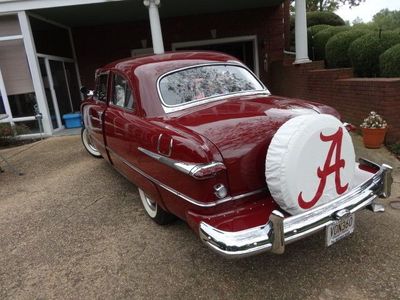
<point x="205" y="141"/>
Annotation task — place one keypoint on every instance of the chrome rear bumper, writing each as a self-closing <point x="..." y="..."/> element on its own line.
<point x="279" y="231"/>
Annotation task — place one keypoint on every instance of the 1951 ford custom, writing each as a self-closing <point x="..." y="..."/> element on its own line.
<point x="205" y="141"/>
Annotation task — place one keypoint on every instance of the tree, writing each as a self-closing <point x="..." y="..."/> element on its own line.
<point x="322" y="5"/>
<point x="357" y="20"/>
<point x="387" y="20"/>
<point x="329" y="5"/>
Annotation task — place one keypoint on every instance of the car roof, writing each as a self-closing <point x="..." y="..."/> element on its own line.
<point x="129" y="64"/>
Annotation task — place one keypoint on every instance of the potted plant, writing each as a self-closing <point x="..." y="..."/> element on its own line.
<point x="373" y="129"/>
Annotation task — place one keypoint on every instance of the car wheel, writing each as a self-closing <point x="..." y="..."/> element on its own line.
<point x="87" y="143"/>
<point x="154" y="211"/>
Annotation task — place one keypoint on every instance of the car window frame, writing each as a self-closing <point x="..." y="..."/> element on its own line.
<point x="168" y="108"/>
<point x="104" y="73"/>
<point x="110" y="100"/>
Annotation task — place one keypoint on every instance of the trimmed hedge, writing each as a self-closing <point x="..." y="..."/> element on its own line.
<point x="337" y="47"/>
<point x="364" y="52"/>
<point x="322" y="37"/>
<point x="317" y="28"/>
<point x="389" y="62"/>
<point x="366" y="26"/>
<point x="324" y="17"/>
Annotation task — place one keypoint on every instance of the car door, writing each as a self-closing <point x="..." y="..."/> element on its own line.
<point x="96" y="110"/>
<point x="125" y="130"/>
<point x="120" y="124"/>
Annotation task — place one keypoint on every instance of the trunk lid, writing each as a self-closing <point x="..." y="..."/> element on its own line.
<point x="242" y="129"/>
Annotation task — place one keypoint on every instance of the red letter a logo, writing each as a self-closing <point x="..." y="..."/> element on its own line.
<point x="328" y="169"/>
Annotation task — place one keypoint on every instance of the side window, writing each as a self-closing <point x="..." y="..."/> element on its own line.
<point x="100" y="92"/>
<point x="122" y="94"/>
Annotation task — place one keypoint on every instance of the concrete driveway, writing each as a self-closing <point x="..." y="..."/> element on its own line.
<point x="72" y="227"/>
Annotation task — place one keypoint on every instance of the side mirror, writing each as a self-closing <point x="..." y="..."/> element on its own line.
<point x="85" y="91"/>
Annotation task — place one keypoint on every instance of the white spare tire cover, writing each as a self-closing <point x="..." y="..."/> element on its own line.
<point x="309" y="162"/>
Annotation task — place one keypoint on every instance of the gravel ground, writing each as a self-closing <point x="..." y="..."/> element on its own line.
<point x="73" y="228"/>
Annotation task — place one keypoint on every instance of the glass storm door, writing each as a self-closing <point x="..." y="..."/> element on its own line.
<point x="51" y="101"/>
<point x="62" y="88"/>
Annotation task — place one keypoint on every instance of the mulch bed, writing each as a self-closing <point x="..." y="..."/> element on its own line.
<point x="11" y="143"/>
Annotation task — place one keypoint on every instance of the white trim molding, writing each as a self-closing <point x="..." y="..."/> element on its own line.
<point x="35" y="70"/>
<point x="19" y="5"/>
<point x="24" y="119"/>
<point x="56" y="58"/>
<point x="245" y="38"/>
<point x="4" y="96"/>
<point x="11" y="38"/>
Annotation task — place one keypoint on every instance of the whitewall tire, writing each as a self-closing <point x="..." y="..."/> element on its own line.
<point x="88" y="144"/>
<point x="154" y="211"/>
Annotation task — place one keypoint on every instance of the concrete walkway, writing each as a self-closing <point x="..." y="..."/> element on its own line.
<point x="73" y="228"/>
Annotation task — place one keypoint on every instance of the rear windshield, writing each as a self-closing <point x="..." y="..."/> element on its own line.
<point x="203" y="82"/>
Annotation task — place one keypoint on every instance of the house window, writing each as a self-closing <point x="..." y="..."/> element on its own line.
<point x="22" y="105"/>
<point x="44" y="32"/>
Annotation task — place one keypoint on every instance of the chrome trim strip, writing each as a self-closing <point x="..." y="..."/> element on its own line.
<point x="170" y="145"/>
<point x="184" y="167"/>
<point x="269" y="236"/>
<point x="183" y="196"/>
<point x="177" y="107"/>
<point x="180" y="166"/>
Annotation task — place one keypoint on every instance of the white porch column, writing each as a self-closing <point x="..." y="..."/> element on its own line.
<point x="155" y="26"/>
<point x="35" y="70"/>
<point x="3" y="94"/>
<point x="301" y="33"/>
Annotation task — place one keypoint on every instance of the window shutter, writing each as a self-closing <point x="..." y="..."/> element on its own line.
<point x="14" y="67"/>
<point x="9" y="25"/>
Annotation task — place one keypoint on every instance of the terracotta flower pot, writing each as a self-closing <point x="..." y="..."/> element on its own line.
<point x="373" y="137"/>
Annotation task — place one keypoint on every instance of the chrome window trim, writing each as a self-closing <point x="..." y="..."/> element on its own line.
<point x="177" y="107"/>
<point x="111" y="103"/>
<point x="102" y="73"/>
<point x="183" y="196"/>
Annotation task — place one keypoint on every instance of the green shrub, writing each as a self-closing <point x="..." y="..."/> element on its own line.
<point x="366" y="26"/>
<point x="389" y="62"/>
<point x="8" y="132"/>
<point x="337" y="47"/>
<point x="395" y="148"/>
<point x="322" y="37"/>
<point x="317" y="28"/>
<point x="319" y="18"/>
<point x="364" y="52"/>
<point x="323" y="17"/>
<point x="21" y="129"/>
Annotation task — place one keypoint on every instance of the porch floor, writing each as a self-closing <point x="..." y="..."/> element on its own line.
<point x="67" y="132"/>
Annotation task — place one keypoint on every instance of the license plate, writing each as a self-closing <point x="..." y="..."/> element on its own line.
<point x="340" y="229"/>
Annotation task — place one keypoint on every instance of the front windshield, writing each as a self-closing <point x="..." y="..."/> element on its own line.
<point x="206" y="81"/>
